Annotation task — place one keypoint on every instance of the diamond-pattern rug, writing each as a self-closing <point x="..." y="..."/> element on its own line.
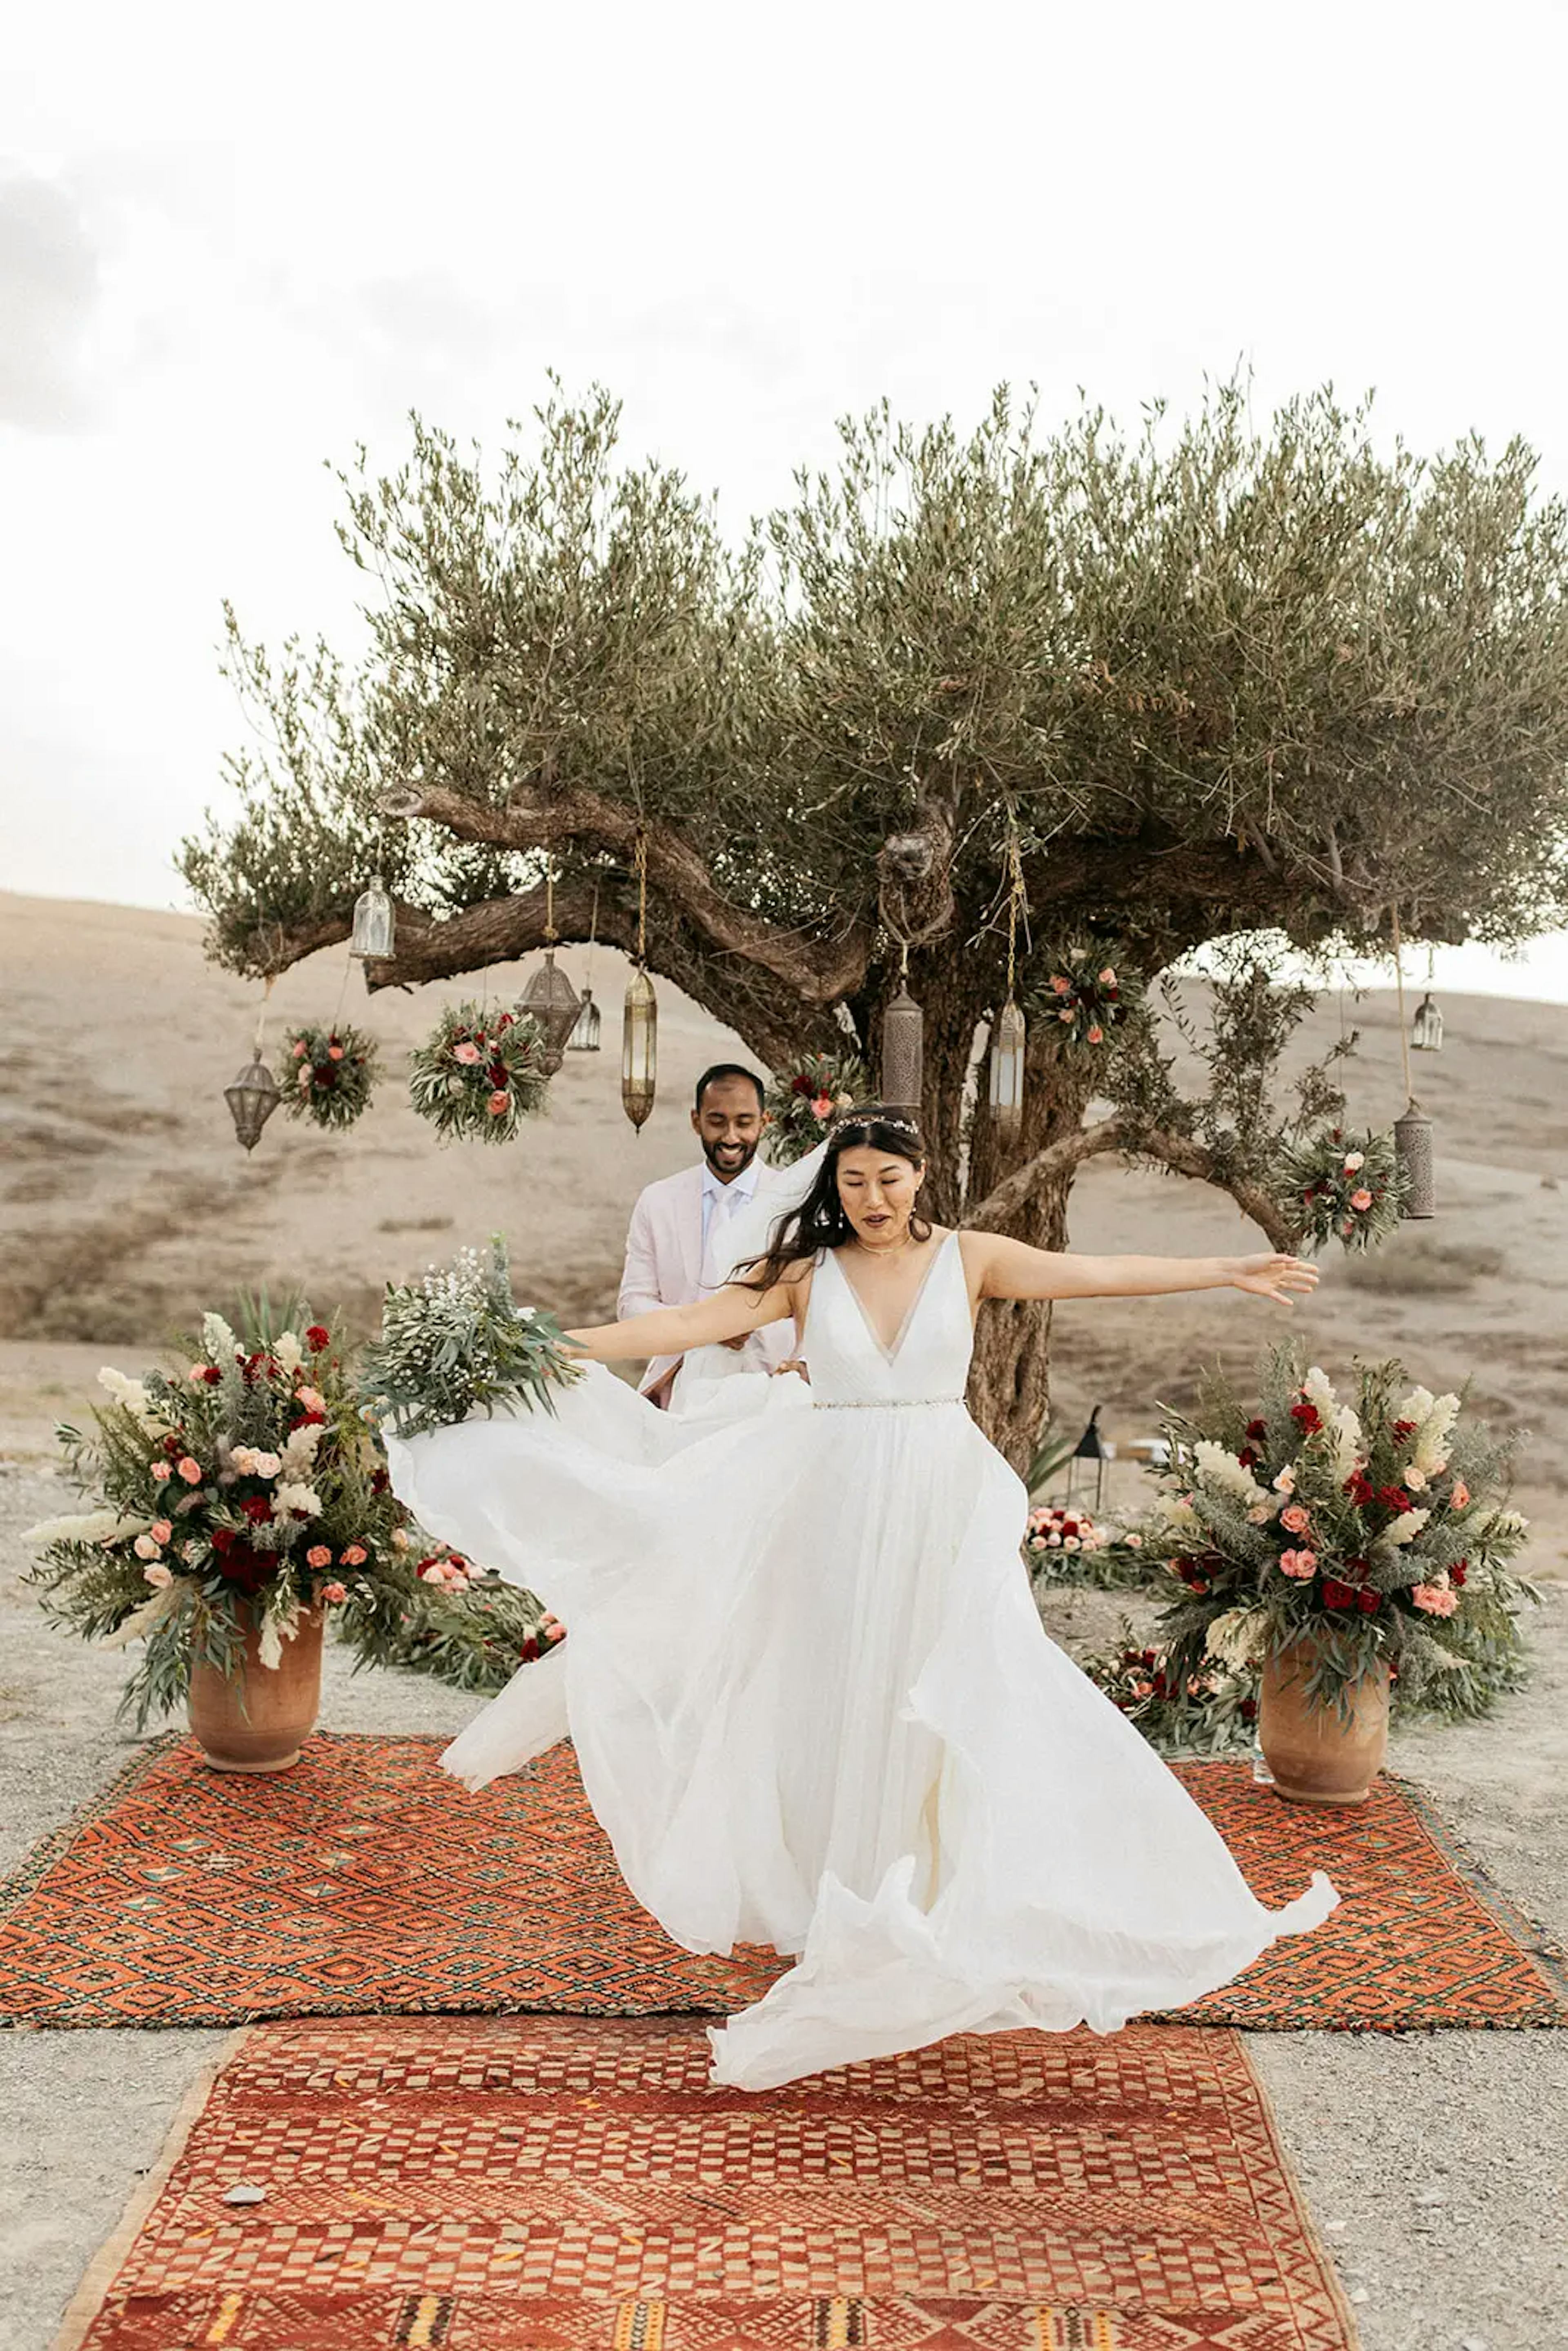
<point x="365" y="1882"/>
<point x="566" y="2184"/>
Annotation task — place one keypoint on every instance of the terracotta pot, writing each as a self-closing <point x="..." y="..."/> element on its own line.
<point x="1318" y="1755"/>
<point x="257" y="1721"/>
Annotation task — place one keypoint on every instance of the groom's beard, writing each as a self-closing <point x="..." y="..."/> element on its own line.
<point x="730" y="1160"/>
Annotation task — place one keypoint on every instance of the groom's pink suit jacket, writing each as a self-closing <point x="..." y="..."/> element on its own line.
<point x="663" y="1268"/>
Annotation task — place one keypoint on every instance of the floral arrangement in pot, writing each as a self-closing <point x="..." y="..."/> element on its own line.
<point x="478" y="1073"/>
<point x="1334" y="1545"/>
<point x="233" y="1500"/>
<point x="802" y="1097"/>
<point x="326" y="1075"/>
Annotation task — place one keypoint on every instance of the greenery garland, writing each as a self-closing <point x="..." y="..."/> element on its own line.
<point x="478" y="1073"/>
<point x="1337" y="1187"/>
<point x="457" y="1343"/>
<point x="469" y="1629"/>
<point x="801" y="1098"/>
<point x="328" y="1074"/>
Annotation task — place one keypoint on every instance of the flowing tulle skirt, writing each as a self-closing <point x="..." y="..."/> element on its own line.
<point x="814" y="1707"/>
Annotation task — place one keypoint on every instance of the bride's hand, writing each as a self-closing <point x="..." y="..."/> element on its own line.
<point x="1283" y="1279"/>
<point x="795" y="1364"/>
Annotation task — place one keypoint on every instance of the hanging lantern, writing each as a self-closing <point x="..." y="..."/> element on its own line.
<point x="1413" y="1148"/>
<point x="1426" y="1029"/>
<point x="584" y="1037"/>
<point x="902" y="1049"/>
<point x="1008" y="1040"/>
<point x="252" y="1099"/>
<point x="639" y="1049"/>
<point x="550" y="1001"/>
<point x="375" y="924"/>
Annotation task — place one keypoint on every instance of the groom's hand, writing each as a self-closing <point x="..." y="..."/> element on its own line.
<point x="736" y="1344"/>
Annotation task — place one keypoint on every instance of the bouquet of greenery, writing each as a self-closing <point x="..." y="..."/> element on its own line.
<point x="241" y="1488"/>
<point x="478" y="1073"/>
<point x="326" y="1075"/>
<point x="1377" y="1531"/>
<point x="1085" y="999"/>
<point x="802" y="1098"/>
<point x="457" y="1343"/>
<point x="1338" y="1186"/>
<point x="466" y="1627"/>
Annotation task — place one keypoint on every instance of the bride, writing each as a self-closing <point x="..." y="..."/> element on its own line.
<point x="811" y="1698"/>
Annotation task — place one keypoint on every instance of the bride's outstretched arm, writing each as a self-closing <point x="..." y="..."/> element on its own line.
<point x="731" y="1312"/>
<point x="1010" y="1268"/>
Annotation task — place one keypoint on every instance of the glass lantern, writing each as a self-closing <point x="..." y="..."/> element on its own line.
<point x="252" y="1099"/>
<point x="1426" y="1029"/>
<point x="584" y="1038"/>
<point x="551" y="1002"/>
<point x="375" y="924"/>
<point x="639" y="1049"/>
<point x="1008" y="1040"/>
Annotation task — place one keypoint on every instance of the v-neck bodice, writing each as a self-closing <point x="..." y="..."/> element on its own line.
<point x="928" y="1359"/>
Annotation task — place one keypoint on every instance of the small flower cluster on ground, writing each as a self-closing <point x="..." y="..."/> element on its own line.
<point x="328" y="1074"/>
<point x="1340" y="1186"/>
<point x="802" y="1098"/>
<point x="479" y="1073"/>
<point x="1380" y="1529"/>
<point x="1063" y="1544"/>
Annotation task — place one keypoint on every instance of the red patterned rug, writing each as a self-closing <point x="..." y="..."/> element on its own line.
<point x="366" y="1883"/>
<point x="557" y="2184"/>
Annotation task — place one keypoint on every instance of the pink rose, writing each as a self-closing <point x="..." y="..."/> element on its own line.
<point x="145" y="1547"/>
<point x="1435" y="1599"/>
<point x="1134" y="1542"/>
<point x="1059" y="984"/>
<point x="1361" y="1199"/>
<point x="355" y="1556"/>
<point x="303" y="1080"/>
<point x="1459" y="1499"/>
<point x="189" y="1469"/>
<point x="1298" y="1563"/>
<point x="1064" y="1016"/>
<point x="1107" y="978"/>
<point x="161" y="1471"/>
<point x="334" y="1052"/>
<point x="1295" y="1518"/>
<point x="162" y="1530"/>
<point x="334" y="1594"/>
<point x="158" y="1576"/>
<point x="300" y="1051"/>
<point x="432" y="1574"/>
<point x="319" y="1555"/>
<point x="313" y="1400"/>
<point x="466" y="1054"/>
<point x="499" y="1103"/>
<point x="1096" y="1036"/>
<point x="823" y="1107"/>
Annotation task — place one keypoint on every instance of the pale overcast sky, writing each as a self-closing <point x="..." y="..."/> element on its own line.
<point x="234" y="243"/>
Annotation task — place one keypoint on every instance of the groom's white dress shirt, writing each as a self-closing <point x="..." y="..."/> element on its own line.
<point x="675" y="1254"/>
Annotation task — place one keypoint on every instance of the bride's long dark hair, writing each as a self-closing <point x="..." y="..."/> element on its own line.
<point x="821" y="1220"/>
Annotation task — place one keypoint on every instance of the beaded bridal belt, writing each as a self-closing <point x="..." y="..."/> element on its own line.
<point x="882" y="1403"/>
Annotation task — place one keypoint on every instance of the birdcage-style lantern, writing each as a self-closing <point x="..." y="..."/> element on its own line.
<point x="375" y="924"/>
<point x="551" y="1002"/>
<point x="1426" y="1029"/>
<point x="584" y="1037"/>
<point x="902" y="1049"/>
<point x="1413" y="1149"/>
<point x="1086" y="1468"/>
<point x="252" y="1099"/>
<point x="1008" y="1038"/>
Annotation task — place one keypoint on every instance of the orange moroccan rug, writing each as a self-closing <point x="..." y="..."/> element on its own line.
<point x="565" y="2184"/>
<point x="366" y="1883"/>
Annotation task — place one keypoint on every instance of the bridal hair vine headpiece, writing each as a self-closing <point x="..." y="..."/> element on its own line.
<point x="872" y="1118"/>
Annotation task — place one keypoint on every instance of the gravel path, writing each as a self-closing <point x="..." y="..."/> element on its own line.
<point x="1436" y="2163"/>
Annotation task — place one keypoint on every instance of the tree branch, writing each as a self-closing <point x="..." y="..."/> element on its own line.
<point x="1122" y="1134"/>
<point x="1060" y="1158"/>
<point x="1186" y="1157"/>
<point x="532" y="819"/>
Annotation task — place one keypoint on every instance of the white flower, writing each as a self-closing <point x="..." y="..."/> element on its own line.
<point x="299" y="1452"/>
<point x="288" y="1352"/>
<point x="304" y="1500"/>
<point x="145" y="1548"/>
<point x="1317" y="1390"/>
<point x="133" y="1396"/>
<point x="1348" y="1443"/>
<point x="244" y="1459"/>
<point x="266" y="1465"/>
<point x="219" y="1341"/>
<point x="1257" y="1516"/>
<point x="1237" y="1637"/>
<point x="1404" y="1529"/>
<point x="274" y="1631"/>
<point x="141" y="1621"/>
<point x="1220" y="1471"/>
<point x="1415" y="1477"/>
<point x="1352" y="1160"/>
<point x="401" y="1538"/>
<point x="86" y="1526"/>
<point x="1285" y="1483"/>
<point x="1431" y="1448"/>
<point x="1180" y="1517"/>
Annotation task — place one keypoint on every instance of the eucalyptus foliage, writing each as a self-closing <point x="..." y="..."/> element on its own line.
<point x="456" y="1343"/>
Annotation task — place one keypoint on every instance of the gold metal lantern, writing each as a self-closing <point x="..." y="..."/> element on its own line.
<point x="639" y="1021"/>
<point x="375" y="924"/>
<point x="252" y="1099"/>
<point x="1413" y="1148"/>
<point x="550" y="1000"/>
<point x="1008" y="1038"/>
<point x="902" y="1049"/>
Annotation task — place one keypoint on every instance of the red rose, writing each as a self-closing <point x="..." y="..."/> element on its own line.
<point x="1370" y="1601"/>
<point x="505" y="1021"/>
<point x="1246" y="1458"/>
<point x="1258" y="1429"/>
<point x="802" y="1085"/>
<point x="256" y="1508"/>
<point x="1393" y="1498"/>
<point x="210" y="1374"/>
<point x="307" y="1420"/>
<point x="1306" y="1415"/>
<point x="1458" y="1573"/>
<point x="1402" y="1429"/>
<point x="379" y="1482"/>
<point x="1249" y="1710"/>
<point x="1337" y="1595"/>
<point x="1145" y="1658"/>
<point x="1162" y="1688"/>
<point x="1358" y="1486"/>
<point x="531" y="1650"/>
<point x="318" y="1337"/>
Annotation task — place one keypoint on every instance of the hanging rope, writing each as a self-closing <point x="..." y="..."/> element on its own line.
<point x="1015" y="907"/>
<point x="549" y="902"/>
<point x="261" y="1016"/>
<point x="1399" y="990"/>
<point x="642" y="898"/>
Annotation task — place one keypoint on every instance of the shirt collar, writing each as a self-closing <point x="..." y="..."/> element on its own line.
<point x="739" y="1187"/>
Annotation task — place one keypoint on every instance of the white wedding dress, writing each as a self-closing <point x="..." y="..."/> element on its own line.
<point x="814" y="1706"/>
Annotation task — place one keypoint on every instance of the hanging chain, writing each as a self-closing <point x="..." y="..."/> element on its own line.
<point x="1399" y="990"/>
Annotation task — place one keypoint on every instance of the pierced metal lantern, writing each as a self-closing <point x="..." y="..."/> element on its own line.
<point x="1426" y="1029"/>
<point x="1413" y="1149"/>
<point x="551" y="1002"/>
<point x="375" y="922"/>
<point x="639" y="1050"/>
<point x="903" y="1050"/>
<point x="1008" y="1038"/>
<point x="252" y="1099"/>
<point x="1091" y="1447"/>
<point x="584" y="1037"/>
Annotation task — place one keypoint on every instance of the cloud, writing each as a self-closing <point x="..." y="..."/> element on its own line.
<point x="48" y="301"/>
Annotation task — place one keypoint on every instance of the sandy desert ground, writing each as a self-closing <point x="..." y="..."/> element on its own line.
<point x="126" y="1206"/>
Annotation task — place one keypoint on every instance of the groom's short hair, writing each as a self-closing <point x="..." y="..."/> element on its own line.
<point x="722" y="1069"/>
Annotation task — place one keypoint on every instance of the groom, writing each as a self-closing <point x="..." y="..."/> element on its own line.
<point x="674" y="1249"/>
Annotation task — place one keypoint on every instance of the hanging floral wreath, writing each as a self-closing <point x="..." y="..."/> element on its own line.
<point x="1334" y="1186"/>
<point x="328" y="1074"/>
<point x="478" y="1073"/>
<point x="1085" y="998"/>
<point x="801" y="1098"/>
